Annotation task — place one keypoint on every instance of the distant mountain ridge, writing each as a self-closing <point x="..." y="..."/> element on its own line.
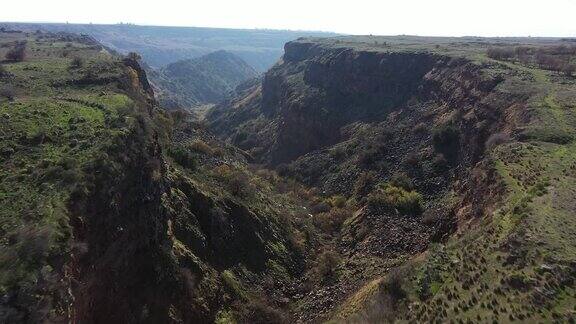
<point x="204" y="80"/>
<point x="161" y="45"/>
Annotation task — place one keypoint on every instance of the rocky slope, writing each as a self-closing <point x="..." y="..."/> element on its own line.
<point x="205" y="80"/>
<point x="417" y="134"/>
<point x="416" y="180"/>
<point x="115" y="211"/>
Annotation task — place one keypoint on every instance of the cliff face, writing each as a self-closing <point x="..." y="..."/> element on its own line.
<point x="306" y="101"/>
<point x="115" y="220"/>
<point x="353" y="120"/>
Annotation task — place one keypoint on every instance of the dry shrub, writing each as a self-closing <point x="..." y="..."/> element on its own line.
<point x="179" y="116"/>
<point x="331" y="222"/>
<point x="500" y="53"/>
<point x="364" y="184"/>
<point x="200" y="146"/>
<point x="325" y="270"/>
<point x="385" y="306"/>
<point x="237" y="182"/>
<point x="7" y="92"/>
<point x="17" y="53"/>
<point x="259" y="312"/>
<point x="319" y="206"/>
<point x="496" y="139"/>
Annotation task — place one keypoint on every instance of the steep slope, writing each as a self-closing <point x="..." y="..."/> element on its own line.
<point x="203" y="80"/>
<point x="113" y="212"/>
<point x="425" y="138"/>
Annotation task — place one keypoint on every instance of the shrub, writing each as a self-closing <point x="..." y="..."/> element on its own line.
<point x="393" y="284"/>
<point x="390" y="197"/>
<point x="283" y="169"/>
<point x="384" y="307"/>
<point x="8" y="92"/>
<point x="500" y="53"/>
<point x="364" y="184"/>
<point x="133" y="56"/>
<point x="420" y="128"/>
<point x="331" y="222"/>
<point x="3" y="71"/>
<point x="446" y="136"/>
<point x="326" y="267"/>
<point x="319" y="206"/>
<point x="17" y="53"/>
<point x="77" y="62"/>
<point x="201" y="147"/>
<point x="258" y="312"/>
<point x="368" y="157"/>
<point x="236" y="181"/>
<point x="402" y="180"/>
<point x="182" y="157"/>
<point x="412" y="160"/>
<point x="239" y="184"/>
<point x="496" y="139"/>
<point x="569" y="69"/>
<point x="439" y="163"/>
<point x="338" y="201"/>
<point x="179" y="116"/>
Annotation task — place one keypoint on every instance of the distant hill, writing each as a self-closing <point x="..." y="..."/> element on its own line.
<point x="203" y="80"/>
<point x="160" y="46"/>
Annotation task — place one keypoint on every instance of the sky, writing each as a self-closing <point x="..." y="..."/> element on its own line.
<point x="384" y="17"/>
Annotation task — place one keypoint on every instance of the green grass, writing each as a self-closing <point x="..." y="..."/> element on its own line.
<point x="52" y="129"/>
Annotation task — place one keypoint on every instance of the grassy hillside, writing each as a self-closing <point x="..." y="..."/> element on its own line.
<point x="62" y="107"/>
<point x="101" y="191"/>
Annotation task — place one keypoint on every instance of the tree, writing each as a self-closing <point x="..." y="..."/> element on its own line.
<point x="77" y="62"/>
<point x="569" y="69"/>
<point x="17" y="53"/>
<point x="7" y="92"/>
<point x="133" y="56"/>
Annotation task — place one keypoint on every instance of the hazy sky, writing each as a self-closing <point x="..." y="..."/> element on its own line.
<point x="384" y="17"/>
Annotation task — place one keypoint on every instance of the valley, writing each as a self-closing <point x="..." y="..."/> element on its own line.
<point x="360" y="179"/>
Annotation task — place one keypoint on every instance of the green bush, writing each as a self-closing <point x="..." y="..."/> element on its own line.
<point x="182" y="157"/>
<point x="17" y="53"/>
<point x="77" y="62"/>
<point x="326" y="267"/>
<point x="391" y="197"/>
<point x="332" y="221"/>
<point x="7" y="92"/>
<point x="446" y="138"/>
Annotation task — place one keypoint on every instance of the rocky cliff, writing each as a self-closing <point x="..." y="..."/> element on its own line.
<point x="416" y="133"/>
